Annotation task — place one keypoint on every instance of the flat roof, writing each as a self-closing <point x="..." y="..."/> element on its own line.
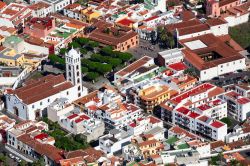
<point x="196" y="44"/>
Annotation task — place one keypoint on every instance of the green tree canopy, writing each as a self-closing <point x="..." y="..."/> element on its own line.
<point x="92" y="76"/>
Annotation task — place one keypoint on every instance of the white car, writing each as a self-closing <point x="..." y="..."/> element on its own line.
<point x="11" y="156"/>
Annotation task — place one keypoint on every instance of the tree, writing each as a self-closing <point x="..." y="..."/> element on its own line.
<point x="227" y="121"/>
<point x="82" y="40"/>
<point x="83" y="51"/>
<point x="190" y="71"/>
<point x="56" y="59"/>
<point x="114" y="62"/>
<point x="39" y="162"/>
<point x="171" y="42"/>
<point x="84" y="69"/>
<point x="107" y="51"/>
<point x="3" y="159"/>
<point x="104" y="68"/>
<point x="93" y="44"/>
<point x="92" y="76"/>
<point x="23" y="163"/>
<point x="125" y="56"/>
<point x="63" y="51"/>
<point x="74" y="45"/>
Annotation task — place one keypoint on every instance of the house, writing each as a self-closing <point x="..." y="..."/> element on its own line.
<point x="28" y="138"/>
<point x="211" y="57"/>
<point x="147" y="145"/>
<point x="216" y="8"/>
<point x="40" y="9"/>
<point x="57" y="5"/>
<point x="237" y="15"/>
<point x="14" y="15"/>
<point x="39" y="27"/>
<point x="238" y="105"/>
<point x="167" y="57"/>
<point x="10" y="57"/>
<point x="117" y="114"/>
<point x="6" y="124"/>
<point x="87" y="156"/>
<point x="147" y="125"/>
<point x="74" y="11"/>
<point x="29" y="101"/>
<point x="239" y="132"/>
<point x="133" y="72"/>
<point x="73" y="120"/>
<point x="121" y="39"/>
<point x="114" y="141"/>
<point x="80" y="123"/>
<point x="90" y="14"/>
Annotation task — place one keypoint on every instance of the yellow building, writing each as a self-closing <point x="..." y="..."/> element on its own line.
<point x="10" y="57"/>
<point x="148" y="145"/>
<point x="90" y="14"/>
<point x="154" y="95"/>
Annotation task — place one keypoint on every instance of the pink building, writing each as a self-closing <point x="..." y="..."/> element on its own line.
<point x="39" y="27"/>
<point x="215" y="8"/>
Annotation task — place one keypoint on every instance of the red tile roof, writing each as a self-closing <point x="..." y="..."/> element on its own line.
<point x="81" y="118"/>
<point x="204" y="107"/>
<point x="193" y="115"/>
<point x="243" y="100"/>
<point x="72" y="116"/>
<point x="183" y="110"/>
<point x="178" y="66"/>
<point x="154" y="120"/>
<point x="199" y="89"/>
<point x="215" y="21"/>
<point x="217" y="124"/>
<point x="126" y="22"/>
<point x="151" y="18"/>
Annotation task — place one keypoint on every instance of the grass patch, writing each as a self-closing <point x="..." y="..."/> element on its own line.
<point x="183" y="146"/>
<point x="172" y="140"/>
<point x="241" y="34"/>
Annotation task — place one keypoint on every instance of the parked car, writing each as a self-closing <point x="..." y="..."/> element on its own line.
<point x="11" y="156"/>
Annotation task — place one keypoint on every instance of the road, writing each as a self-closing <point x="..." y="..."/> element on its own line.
<point x="230" y="78"/>
<point x="4" y="151"/>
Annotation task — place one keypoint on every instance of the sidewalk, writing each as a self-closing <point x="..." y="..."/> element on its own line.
<point x="19" y="154"/>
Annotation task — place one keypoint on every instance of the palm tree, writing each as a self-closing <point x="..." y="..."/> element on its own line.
<point x="171" y="42"/>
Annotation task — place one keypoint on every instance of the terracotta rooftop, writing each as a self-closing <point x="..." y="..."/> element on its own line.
<point x="39" y="5"/>
<point x="36" y="90"/>
<point x="215" y="21"/>
<point x="43" y="149"/>
<point x="135" y="65"/>
<point x="213" y="45"/>
<point x="226" y="2"/>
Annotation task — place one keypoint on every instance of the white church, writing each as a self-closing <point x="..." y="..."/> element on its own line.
<point x="30" y="101"/>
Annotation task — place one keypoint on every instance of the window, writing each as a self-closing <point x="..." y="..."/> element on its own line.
<point x="33" y="106"/>
<point x="67" y="93"/>
<point x="41" y="103"/>
<point x="48" y="100"/>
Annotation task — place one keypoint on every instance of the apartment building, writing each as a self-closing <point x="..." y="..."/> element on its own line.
<point x="238" y="105"/>
<point x="41" y="9"/>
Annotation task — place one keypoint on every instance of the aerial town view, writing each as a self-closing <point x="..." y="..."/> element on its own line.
<point x="124" y="82"/>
